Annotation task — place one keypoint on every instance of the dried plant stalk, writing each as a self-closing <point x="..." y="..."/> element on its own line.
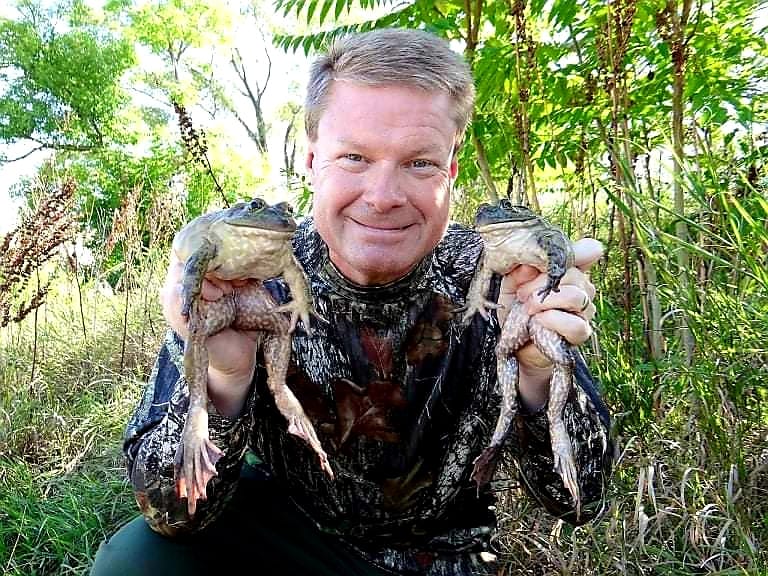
<point x="196" y="145"/>
<point x="125" y="225"/>
<point x="32" y="243"/>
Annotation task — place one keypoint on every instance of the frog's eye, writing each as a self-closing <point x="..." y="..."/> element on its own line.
<point x="506" y="204"/>
<point x="258" y="204"/>
<point x="285" y="207"/>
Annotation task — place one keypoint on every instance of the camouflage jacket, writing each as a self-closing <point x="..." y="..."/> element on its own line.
<point x="403" y="398"/>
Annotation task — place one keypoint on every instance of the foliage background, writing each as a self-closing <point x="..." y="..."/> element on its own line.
<point x="642" y="124"/>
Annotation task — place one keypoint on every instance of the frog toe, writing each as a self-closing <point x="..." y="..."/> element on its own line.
<point x="485" y="466"/>
<point x="302" y="428"/>
<point x="482" y="308"/>
<point x="565" y="467"/>
<point x="194" y="466"/>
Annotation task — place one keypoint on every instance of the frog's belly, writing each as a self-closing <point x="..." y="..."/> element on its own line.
<point x="504" y="258"/>
<point x="248" y="264"/>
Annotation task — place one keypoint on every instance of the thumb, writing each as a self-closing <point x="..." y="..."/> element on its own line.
<point x="586" y="252"/>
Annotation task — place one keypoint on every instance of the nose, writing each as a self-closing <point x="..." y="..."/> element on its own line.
<point x="383" y="190"/>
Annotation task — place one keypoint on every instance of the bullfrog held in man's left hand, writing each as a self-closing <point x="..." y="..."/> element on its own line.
<point x="514" y="235"/>
<point x="250" y="240"/>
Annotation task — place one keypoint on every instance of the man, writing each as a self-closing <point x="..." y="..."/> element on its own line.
<point x="401" y="393"/>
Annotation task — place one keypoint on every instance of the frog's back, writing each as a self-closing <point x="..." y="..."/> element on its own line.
<point x="189" y="239"/>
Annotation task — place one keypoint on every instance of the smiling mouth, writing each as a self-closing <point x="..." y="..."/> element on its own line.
<point x="381" y="227"/>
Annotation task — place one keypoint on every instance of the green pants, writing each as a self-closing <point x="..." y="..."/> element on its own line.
<point x="260" y="534"/>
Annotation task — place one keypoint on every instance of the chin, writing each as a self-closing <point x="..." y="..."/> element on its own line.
<point x="385" y="270"/>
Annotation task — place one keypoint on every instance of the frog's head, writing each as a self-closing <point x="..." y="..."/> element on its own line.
<point x="502" y="212"/>
<point x="258" y="214"/>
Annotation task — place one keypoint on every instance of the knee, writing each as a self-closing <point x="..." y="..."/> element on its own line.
<point x="117" y="556"/>
<point x="136" y="550"/>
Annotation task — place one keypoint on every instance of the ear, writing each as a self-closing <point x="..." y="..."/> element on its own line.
<point x="453" y="169"/>
<point x="309" y="160"/>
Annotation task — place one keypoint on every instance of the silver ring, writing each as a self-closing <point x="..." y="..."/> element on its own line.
<point x="586" y="303"/>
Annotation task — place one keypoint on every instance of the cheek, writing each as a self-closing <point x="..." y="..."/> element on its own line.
<point x="331" y="194"/>
<point x="434" y="201"/>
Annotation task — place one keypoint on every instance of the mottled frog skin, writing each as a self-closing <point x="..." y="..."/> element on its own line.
<point x="250" y="240"/>
<point x="514" y="235"/>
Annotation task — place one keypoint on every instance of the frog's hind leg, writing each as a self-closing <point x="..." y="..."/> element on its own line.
<point x="513" y="335"/>
<point x="485" y="464"/>
<point x="277" y="351"/>
<point x="197" y="455"/>
<point x="554" y="347"/>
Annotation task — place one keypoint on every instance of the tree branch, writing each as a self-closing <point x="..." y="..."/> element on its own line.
<point x="36" y="149"/>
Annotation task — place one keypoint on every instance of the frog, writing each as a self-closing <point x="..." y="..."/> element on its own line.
<point x="513" y="235"/>
<point x="247" y="241"/>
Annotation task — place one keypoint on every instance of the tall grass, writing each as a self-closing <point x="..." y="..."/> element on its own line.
<point x="62" y="481"/>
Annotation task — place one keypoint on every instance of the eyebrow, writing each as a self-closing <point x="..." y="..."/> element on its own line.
<point x="424" y="150"/>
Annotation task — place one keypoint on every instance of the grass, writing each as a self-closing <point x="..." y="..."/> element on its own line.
<point x="689" y="493"/>
<point x="62" y="480"/>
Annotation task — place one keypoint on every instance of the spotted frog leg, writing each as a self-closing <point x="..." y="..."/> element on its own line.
<point x="513" y="336"/>
<point x="250" y="307"/>
<point x="196" y="455"/>
<point x="518" y="328"/>
<point x="558" y="351"/>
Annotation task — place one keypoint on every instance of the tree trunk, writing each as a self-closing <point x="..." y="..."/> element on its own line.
<point x="678" y="51"/>
<point x="525" y="62"/>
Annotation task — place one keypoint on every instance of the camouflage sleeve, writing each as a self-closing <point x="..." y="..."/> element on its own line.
<point x="154" y="433"/>
<point x="588" y="424"/>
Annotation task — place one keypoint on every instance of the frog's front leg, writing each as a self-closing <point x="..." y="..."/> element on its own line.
<point x="478" y="289"/>
<point x="559" y="258"/>
<point x="195" y="268"/>
<point x="277" y="352"/>
<point x="300" y="306"/>
<point x="558" y="351"/>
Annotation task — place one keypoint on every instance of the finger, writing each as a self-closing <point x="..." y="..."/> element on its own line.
<point x="182" y="488"/>
<point x="569" y="298"/>
<point x="517" y="277"/>
<point x="575" y="329"/>
<point x="586" y="252"/>
<point x="214" y="288"/>
<point x="572" y="277"/>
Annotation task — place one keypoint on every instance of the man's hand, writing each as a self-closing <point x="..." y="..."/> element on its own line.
<point x="231" y="353"/>
<point x="568" y="312"/>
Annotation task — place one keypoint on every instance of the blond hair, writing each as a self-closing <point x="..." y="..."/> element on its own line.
<point x="391" y="56"/>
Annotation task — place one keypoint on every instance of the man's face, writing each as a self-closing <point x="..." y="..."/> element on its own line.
<point x="382" y="166"/>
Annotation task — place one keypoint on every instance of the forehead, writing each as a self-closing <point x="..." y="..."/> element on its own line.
<point x="400" y="114"/>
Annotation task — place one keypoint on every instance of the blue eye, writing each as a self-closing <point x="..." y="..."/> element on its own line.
<point x="354" y="157"/>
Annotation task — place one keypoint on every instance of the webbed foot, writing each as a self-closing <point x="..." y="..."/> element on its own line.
<point x="299" y="425"/>
<point x="485" y="466"/>
<point x="195" y="461"/>
<point x="299" y="311"/>
<point x="481" y="306"/>
<point x="565" y="464"/>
